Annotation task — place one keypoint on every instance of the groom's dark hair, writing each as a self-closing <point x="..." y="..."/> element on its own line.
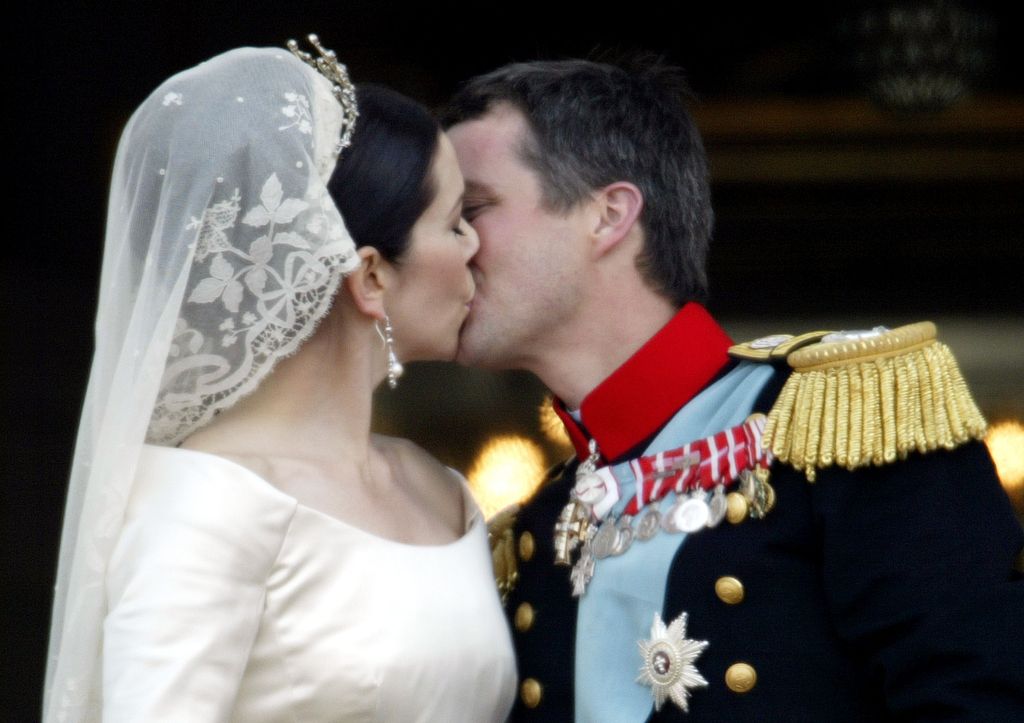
<point x="594" y="124"/>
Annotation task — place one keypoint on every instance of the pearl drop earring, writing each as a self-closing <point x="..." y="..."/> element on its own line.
<point x="395" y="368"/>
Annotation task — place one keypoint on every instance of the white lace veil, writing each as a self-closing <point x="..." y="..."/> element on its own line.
<point x="223" y="250"/>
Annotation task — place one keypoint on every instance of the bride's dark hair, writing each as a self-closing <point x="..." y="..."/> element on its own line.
<point x="382" y="182"/>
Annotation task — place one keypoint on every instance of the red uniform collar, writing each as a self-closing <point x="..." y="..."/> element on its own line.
<point x="650" y="387"/>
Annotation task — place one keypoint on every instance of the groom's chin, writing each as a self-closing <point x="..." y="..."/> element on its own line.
<point x="463" y="354"/>
<point x="479" y="347"/>
<point x="468" y="353"/>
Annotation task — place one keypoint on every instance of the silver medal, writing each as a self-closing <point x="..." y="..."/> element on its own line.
<point x="717" y="507"/>
<point x="648" y="525"/>
<point x="625" y="536"/>
<point x="604" y="541"/>
<point x="581" y="573"/>
<point x="692" y="514"/>
<point x="747" y="483"/>
<point x="668" y="520"/>
<point x="583" y="570"/>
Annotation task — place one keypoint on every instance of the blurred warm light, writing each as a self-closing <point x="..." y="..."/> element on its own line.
<point x="1005" y="442"/>
<point x="507" y="470"/>
<point x="551" y="426"/>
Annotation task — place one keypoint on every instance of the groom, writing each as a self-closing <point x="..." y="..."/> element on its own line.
<point x="711" y="582"/>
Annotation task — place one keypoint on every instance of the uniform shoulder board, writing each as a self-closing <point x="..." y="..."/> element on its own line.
<point x="863" y="398"/>
<point x="774" y="348"/>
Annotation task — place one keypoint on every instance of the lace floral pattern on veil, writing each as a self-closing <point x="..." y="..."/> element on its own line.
<point x="267" y="290"/>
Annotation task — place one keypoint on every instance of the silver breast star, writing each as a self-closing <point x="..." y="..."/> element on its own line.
<point x="668" y="668"/>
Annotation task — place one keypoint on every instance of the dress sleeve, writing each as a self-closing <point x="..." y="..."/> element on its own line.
<point x="918" y="568"/>
<point x="186" y="587"/>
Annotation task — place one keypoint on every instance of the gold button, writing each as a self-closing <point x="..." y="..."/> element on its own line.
<point x="526" y="546"/>
<point x="736" y="507"/>
<point x="729" y="590"/>
<point x="741" y="678"/>
<point x="524" y="617"/>
<point x="530" y="691"/>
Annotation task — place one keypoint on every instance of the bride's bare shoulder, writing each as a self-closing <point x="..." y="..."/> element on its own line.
<point x="419" y="463"/>
<point x="260" y="465"/>
<point x="433" y="488"/>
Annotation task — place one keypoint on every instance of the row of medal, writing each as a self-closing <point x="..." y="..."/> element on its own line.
<point x="690" y="513"/>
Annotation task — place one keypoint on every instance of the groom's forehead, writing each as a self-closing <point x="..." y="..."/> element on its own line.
<point x="501" y="131"/>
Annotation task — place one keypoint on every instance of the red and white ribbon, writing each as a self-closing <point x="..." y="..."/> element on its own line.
<point x="705" y="463"/>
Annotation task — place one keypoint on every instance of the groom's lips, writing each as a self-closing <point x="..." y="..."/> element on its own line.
<point x="475" y="276"/>
<point x="470" y="308"/>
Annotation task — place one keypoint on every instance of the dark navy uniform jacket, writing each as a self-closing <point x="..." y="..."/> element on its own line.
<point x="888" y="593"/>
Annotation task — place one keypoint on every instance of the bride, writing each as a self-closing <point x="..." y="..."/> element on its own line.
<point x="237" y="544"/>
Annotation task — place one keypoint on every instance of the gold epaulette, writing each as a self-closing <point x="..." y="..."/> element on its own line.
<point x="870" y="399"/>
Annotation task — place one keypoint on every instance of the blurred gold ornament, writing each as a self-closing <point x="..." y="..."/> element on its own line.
<point x="500" y="530"/>
<point x="1005" y="442"/>
<point x="552" y="428"/>
<point x="507" y="471"/>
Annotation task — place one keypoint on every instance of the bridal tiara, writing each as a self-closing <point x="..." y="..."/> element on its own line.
<point x="329" y="67"/>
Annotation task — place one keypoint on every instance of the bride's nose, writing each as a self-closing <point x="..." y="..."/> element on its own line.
<point x="471" y="242"/>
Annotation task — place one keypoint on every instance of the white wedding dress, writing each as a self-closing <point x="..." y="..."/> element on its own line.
<point x="231" y="601"/>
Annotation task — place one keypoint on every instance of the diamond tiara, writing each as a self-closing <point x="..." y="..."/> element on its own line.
<point x="329" y="67"/>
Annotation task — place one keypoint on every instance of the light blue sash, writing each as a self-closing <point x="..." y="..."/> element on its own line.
<point x="617" y="609"/>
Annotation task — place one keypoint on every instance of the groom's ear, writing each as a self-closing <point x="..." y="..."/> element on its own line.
<point x="616" y="208"/>
<point x="368" y="282"/>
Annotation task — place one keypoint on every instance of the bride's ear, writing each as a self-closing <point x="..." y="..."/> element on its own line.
<point x="367" y="283"/>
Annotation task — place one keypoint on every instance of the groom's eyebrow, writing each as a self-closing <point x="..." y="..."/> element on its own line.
<point x="475" y="188"/>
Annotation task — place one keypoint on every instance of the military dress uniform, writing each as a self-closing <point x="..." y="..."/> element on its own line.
<point x="865" y="577"/>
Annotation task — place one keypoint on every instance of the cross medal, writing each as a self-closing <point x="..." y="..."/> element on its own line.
<point x="574" y="528"/>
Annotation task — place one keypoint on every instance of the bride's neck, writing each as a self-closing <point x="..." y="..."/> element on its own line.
<point x="316" y="404"/>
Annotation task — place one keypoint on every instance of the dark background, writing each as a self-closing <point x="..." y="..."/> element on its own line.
<point x="827" y="206"/>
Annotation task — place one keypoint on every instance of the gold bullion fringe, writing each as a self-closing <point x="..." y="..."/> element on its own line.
<point x="874" y="411"/>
